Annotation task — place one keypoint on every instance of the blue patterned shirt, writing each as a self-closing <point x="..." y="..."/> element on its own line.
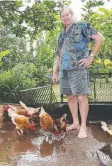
<point x="73" y="45"/>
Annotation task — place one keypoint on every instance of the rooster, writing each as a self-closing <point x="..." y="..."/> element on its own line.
<point x="46" y="121"/>
<point x="20" y="121"/>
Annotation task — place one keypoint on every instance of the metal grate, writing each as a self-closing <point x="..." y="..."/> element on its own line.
<point x="100" y="88"/>
<point x="40" y="96"/>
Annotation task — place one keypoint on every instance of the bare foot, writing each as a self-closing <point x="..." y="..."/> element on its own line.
<point x="73" y="127"/>
<point x="82" y="133"/>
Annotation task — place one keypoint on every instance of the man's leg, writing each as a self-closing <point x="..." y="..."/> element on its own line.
<point x="83" y="107"/>
<point x="73" y="105"/>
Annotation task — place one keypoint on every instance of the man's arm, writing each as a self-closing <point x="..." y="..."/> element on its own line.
<point x="99" y="39"/>
<point x="56" y="71"/>
<point x="56" y="68"/>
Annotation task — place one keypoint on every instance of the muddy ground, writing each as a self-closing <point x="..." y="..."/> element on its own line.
<point x="29" y="151"/>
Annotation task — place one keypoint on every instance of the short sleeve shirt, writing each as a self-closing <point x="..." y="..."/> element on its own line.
<point x="73" y="45"/>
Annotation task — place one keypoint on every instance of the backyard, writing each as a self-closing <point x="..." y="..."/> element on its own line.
<point x="28" y="49"/>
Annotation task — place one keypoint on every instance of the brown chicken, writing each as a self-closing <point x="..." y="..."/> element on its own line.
<point x="20" y="121"/>
<point x="46" y="121"/>
<point x="24" y="110"/>
<point x="29" y="110"/>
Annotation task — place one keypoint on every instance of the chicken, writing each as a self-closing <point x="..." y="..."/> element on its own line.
<point x="24" y="110"/>
<point x="61" y="123"/>
<point x="29" y="110"/>
<point x="46" y="121"/>
<point x="20" y="121"/>
<point x="19" y="110"/>
<point x="105" y="127"/>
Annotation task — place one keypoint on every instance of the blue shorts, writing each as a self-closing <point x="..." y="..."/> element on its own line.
<point x="74" y="82"/>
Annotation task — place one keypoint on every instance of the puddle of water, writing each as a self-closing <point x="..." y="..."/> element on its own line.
<point x="98" y="133"/>
<point x="29" y="148"/>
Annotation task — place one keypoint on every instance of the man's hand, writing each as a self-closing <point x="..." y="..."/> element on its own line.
<point x="55" y="77"/>
<point x="86" y="61"/>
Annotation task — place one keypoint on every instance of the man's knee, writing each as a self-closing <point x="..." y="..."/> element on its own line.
<point x="72" y="99"/>
<point x="82" y="99"/>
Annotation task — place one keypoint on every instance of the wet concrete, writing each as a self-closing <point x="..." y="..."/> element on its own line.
<point x="30" y="151"/>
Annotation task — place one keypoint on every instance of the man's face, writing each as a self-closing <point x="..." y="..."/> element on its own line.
<point x="67" y="17"/>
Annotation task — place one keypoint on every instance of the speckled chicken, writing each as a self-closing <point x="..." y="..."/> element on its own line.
<point x="20" y="121"/>
<point x="46" y="121"/>
<point x="61" y="123"/>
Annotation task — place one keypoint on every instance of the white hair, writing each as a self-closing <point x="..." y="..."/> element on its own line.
<point x="66" y="7"/>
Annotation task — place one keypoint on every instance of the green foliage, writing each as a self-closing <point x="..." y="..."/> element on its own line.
<point x="15" y="79"/>
<point x="3" y="54"/>
<point x="102" y="21"/>
<point x="10" y="16"/>
<point x="25" y="65"/>
<point x="88" y="8"/>
<point x="33" y="19"/>
<point x="46" y="49"/>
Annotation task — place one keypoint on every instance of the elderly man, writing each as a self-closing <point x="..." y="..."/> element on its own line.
<point x="72" y="66"/>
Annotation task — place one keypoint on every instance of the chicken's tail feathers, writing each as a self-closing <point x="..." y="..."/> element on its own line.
<point x="38" y="109"/>
<point x="23" y="105"/>
<point x="64" y="117"/>
<point x="42" y="111"/>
